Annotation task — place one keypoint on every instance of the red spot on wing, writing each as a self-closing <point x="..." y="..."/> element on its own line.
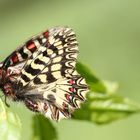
<point x="15" y="58"/>
<point x="71" y="89"/>
<point x="71" y="82"/>
<point x="67" y="96"/>
<point x="46" y="34"/>
<point x="31" y="46"/>
<point x="65" y="105"/>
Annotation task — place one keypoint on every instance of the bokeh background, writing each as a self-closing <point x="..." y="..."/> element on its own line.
<point x="108" y="32"/>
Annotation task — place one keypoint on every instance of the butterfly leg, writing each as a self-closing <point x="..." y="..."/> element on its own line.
<point x="6" y="102"/>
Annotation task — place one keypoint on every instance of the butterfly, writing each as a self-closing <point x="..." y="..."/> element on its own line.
<point x="42" y="74"/>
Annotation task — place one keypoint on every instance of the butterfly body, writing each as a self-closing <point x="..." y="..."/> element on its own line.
<point x="41" y="73"/>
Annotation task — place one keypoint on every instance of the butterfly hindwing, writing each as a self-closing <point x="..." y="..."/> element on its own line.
<point x="61" y="97"/>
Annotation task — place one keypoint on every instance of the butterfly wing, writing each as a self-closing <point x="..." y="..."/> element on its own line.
<point x="16" y="61"/>
<point x="19" y="57"/>
<point x="58" y="99"/>
<point x="57" y="58"/>
<point x="49" y="82"/>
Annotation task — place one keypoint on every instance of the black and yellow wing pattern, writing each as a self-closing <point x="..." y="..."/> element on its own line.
<point x="48" y="82"/>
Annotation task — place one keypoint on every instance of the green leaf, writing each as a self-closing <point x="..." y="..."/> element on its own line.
<point x="111" y="87"/>
<point x="10" y="126"/>
<point x="43" y="129"/>
<point x="94" y="83"/>
<point x="101" y="108"/>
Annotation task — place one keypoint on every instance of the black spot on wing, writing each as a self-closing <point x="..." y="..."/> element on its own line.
<point x="25" y="78"/>
<point x="45" y="54"/>
<point x="54" y="49"/>
<point x="38" y="61"/>
<point x="51" y="98"/>
<point x="24" y="55"/>
<point x="54" y="90"/>
<point x="50" y="78"/>
<point x="37" y="81"/>
<point x="61" y="39"/>
<point x="32" y="71"/>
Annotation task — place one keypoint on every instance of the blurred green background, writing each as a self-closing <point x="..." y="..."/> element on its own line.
<point x="108" y="32"/>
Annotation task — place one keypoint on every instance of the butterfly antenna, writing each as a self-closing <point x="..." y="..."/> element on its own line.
<point x="6" y="102"/>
